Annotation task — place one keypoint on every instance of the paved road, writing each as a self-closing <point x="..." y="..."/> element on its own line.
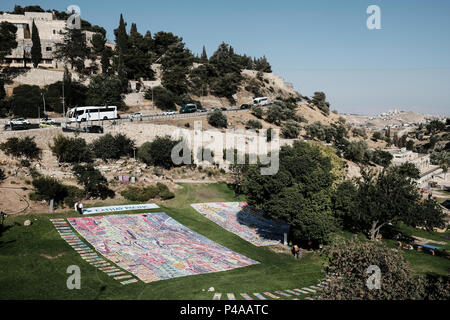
<point x="149" y="117"/>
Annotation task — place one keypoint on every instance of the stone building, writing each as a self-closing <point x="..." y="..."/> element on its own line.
<point x="51" y="32"/>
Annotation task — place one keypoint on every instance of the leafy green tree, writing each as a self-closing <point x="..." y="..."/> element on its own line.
<point x="71" y="150"/>
<point x="7" y="39"/>
<point x="105" y="89"/>
<point x="95" y="184"/>
<point x="290" y="129"/>
<point x="218" y="119"/>
<point x="158" y="153"/>
<point x="73" y="49"/>
<point x="344" y="201"/>
<point x="176" y="62"/>
<point x="24" y="147"/>
<point x="112" y="147"/>
<point x="48" y="188"/>
<point x="300" y="193"/>
<point x="319" y="100"/>
<point x="26" y="100"/>
<point x="357" y="151"/>
<point x="36" y="49"/>
<point x="163" y="98"/>
<point x="390" y="197"/>
<point x="262" y="64"/>
<point x="348" y="261"/>
<point x="382" y="158"/>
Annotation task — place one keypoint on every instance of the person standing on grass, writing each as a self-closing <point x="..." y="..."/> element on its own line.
<point x="80" y="208"/>
<point x="76" y="206"/>
<point x="296" y="251"/>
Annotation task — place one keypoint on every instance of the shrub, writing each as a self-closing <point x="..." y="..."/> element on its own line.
<point x="257" y="112"/>
<point x="138" y="194"/>
<point x="164" y="191"/>
<point x="147" y="193"/>
<point x="95" y="184"/>
<point x="253" y="124"/>
<point x="21" y="147"/>
<point x="291" y="129"/>
<point x="112" y="147"/>
<point x="71" y="150"/>
<point x="218" y="119"/>
<point x="25" y="163"/>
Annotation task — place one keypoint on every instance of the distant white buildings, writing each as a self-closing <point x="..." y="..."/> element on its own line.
<point x="421" y="161"/>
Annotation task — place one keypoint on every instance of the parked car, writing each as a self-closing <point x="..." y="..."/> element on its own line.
<point x="245" y="106"/>
<point x="202" y="110"/>
<point x="19" y="122"/>
<point x="189" y="108"/>
<point x="48" y="121"/>
<point x="93" y="129"/>
<point x="136" y="115"/>
<point x="169" y="113"/>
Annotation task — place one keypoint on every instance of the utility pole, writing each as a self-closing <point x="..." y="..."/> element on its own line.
<point x="134" y="155"/>
<point x="63" y="100"/>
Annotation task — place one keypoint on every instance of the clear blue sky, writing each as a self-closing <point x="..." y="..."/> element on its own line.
<point x="321" y="45"/>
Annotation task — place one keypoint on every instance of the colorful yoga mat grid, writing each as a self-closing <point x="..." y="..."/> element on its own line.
<point x="87" y="254"/>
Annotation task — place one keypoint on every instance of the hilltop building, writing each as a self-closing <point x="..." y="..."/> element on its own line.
<point x="51" y="32"/>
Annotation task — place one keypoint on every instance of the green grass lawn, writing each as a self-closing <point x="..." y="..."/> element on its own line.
<point x="34" y="260"/>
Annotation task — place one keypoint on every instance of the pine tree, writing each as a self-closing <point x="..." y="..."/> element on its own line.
<point x="36" y="49"/>
<point x="204" y="57"/>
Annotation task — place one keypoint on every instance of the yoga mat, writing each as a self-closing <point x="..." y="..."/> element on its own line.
<point x="122" y="277"/>
<point x="115" y="273"/>
<point x="231" y="296"/>
<point x="310" y="290"/>
<point x="260" y="296"/>
<point x="301" y="291"/>
<point x="293" y="292"/>
<point x="217" y="296"/>
<point x="281" y="293"/>
<point x="246" y="296"/>
<point x="129" y="281"/>
<point x="271" y="295"/>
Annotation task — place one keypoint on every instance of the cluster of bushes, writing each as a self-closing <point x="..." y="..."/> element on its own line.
<point x="76" y="150"/>
<point x="358" y="151"/>
<point x="147" y="193"/>
<point x="336" y="133"/>
<point x="290" y="129"/>
<point x="47" y="188"/>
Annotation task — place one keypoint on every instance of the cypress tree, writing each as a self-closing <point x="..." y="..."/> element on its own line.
<point x="36" y="50"/>
<point x="204" y="57"/>
<point x="121" y="36"/>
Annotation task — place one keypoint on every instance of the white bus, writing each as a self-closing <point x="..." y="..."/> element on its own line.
<point x="262" y="101"/>
<point x="80" y="114"/>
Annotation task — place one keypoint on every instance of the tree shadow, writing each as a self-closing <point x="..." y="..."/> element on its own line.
<point x="271" y="230"/>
